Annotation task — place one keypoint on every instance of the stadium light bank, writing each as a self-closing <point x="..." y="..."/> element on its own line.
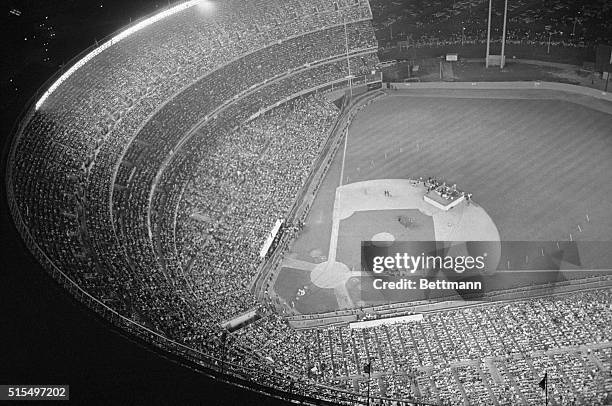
<point x="206" y="6"/>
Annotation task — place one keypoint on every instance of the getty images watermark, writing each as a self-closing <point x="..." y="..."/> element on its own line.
<point x="400" y="271"/>
<point x="423" y="267"/>
<point x="407" y="264"/>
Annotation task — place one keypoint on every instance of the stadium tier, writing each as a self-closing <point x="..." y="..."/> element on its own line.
<point x="480" y="355"/>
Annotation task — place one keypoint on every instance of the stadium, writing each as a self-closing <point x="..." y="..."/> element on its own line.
<point x="205" y="179"/>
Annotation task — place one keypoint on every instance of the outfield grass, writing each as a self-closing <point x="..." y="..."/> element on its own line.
<point x="537" y="166"/>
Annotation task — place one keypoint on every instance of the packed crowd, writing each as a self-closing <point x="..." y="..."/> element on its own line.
<point x="145" y="223"/>
<point x="95" y="114"/>
<point x="67" y="177"/>
<point x="201" y="295"/>
<point x="482" y="354"/>
<point x="529" y="21"/>
<point x="89" y="157"/>
<point x="255" y="173"/>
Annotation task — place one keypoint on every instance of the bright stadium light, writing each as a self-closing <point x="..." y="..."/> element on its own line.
<point x="206" y="6"/>
<point x="123" y="34"/>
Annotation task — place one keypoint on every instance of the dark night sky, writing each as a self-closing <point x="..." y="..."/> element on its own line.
<point x="47" y="34"/>
<point x="45" y="336"/>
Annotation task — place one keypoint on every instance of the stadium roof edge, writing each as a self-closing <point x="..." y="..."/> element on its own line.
<point x="114" y="40"/>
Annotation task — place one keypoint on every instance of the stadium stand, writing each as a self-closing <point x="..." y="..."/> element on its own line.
<point x="465" y="22"/>
<point x="99" y="160"/>
<point x="479" y="355"/>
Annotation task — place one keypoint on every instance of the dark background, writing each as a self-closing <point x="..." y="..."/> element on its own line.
<point x="46" y="337"/>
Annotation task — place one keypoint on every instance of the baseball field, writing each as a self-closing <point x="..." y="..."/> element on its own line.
<point x="538" y="164"/>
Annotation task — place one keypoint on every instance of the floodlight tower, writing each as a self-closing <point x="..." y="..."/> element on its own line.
<point x="503" y="34"/>
<point x="488" y="35"/>
<point x="503" y="57"/>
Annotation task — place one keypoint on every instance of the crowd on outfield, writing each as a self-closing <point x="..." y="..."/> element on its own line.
<point x="529" y="22"/>
<point x="479" y="354"/>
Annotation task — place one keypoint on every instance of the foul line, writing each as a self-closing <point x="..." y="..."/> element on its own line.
<point x="333" y="241"/>
<point x="343" y="156"/>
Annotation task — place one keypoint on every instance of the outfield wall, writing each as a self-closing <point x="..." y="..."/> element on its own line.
<point x="563" y="54"/>
<point x="537" y="85"/>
